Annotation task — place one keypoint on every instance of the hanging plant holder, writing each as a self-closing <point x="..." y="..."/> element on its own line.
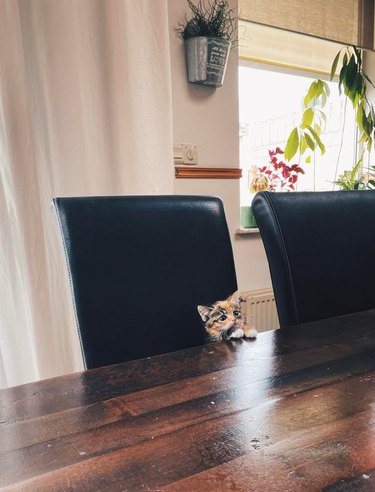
<point x="206" y="60"/>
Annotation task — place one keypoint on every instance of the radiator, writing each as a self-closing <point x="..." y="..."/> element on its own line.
<point x="259" y="309"/>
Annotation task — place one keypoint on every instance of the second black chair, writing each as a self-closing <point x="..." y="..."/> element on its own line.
<point x="139" y="267"/>
<point x="320" y="250"/>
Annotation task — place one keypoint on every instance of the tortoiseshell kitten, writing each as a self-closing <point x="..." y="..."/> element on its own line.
<point x="223" y="320"/>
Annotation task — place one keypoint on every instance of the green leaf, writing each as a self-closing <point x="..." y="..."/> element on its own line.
<point x="370" y="123"/>
<point x="359" y="116"/>
<point x="310" y="94"/>
<point x="367" y="124"/>
<point x="302" y="144"/>
<point x="319" y="87"/>
<point x="317" y="139"/>
<point x="308" y="159"/>
<point x="322" y="115"/>
<point x="334" y="65"/>
<point x="351" y="73"/>
<point x="291" y="145"/>
<point x="317" y="129"/>
<point x="307" y="118"/>
<point x="310" y="142"/>
<point x="342" y="76"/>
<point x="364" y="122"/>
<point x="326" y="89"/>
<point x="355" y="169"/>
<point x="369" y="145"/>
<point x="319" y="92"/>
<point x="360" y="84"/>
<point x="354" y="89"/>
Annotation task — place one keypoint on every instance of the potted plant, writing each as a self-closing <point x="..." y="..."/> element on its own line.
<point x="306" y="137"/>
<point x="276" y="176"/>
<point x="353" y="180"/>
<point x="208" y="36"/>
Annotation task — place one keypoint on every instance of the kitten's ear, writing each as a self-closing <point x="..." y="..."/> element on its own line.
<point x="236" y="297"/>
<point x="204" y="311"/>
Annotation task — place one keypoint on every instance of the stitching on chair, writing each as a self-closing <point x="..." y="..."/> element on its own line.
<point x="70" y="281"/>
<point x="269" y="200"/>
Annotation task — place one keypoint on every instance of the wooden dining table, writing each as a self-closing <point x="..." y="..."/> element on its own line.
<point x="293" y="410"/>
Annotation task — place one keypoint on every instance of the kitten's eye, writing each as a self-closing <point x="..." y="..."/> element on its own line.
<point x="222" y="318"/>
<point x="237" y="314"/>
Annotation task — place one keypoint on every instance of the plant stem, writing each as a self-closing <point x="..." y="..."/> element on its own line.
<point x="341" y="142"/>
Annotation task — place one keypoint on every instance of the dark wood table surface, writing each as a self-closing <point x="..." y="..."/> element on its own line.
<point x="293" y="410"/>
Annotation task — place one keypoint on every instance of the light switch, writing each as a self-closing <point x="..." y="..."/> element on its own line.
<point x="189" y="154"/>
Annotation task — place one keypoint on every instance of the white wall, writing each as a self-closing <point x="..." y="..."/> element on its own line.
<point x="209" y="118"/>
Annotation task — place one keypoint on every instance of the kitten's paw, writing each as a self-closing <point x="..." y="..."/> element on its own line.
<point x="237" y="333"/>
<point x="250" y="332"/>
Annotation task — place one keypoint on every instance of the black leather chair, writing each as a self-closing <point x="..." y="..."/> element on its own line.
<point x="139" y="267"/>
<point x="320" y="249"/>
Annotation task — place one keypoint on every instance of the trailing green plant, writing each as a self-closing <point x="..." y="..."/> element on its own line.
<point x="352" y="79"/>
<point x="209" y="18"/>
<point x="305" y="137"/>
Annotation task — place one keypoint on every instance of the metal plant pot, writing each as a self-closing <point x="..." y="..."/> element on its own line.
<point x="206" y="60"/>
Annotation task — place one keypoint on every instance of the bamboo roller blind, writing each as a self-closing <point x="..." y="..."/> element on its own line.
<point x="343" y="21"/>
<point x="285" y="48"/>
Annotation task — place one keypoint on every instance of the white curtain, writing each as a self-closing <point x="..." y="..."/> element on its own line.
<point x="85" y="105"/>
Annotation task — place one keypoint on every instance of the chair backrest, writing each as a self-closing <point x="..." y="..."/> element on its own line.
<point x="139" y="267"/>
<point x="320" y="250"/>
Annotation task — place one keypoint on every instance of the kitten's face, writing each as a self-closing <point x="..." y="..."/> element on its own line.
<point x="222" y="319"/>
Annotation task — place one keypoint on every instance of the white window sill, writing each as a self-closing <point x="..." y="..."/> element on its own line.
<point x="246" y="231"/>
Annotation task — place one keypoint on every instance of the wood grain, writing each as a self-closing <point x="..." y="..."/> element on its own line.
<point x="292" y="410"/>
<point x="208" y="172"/>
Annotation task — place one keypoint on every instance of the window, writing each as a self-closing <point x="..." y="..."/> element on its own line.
<point x="270" y="100"/>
